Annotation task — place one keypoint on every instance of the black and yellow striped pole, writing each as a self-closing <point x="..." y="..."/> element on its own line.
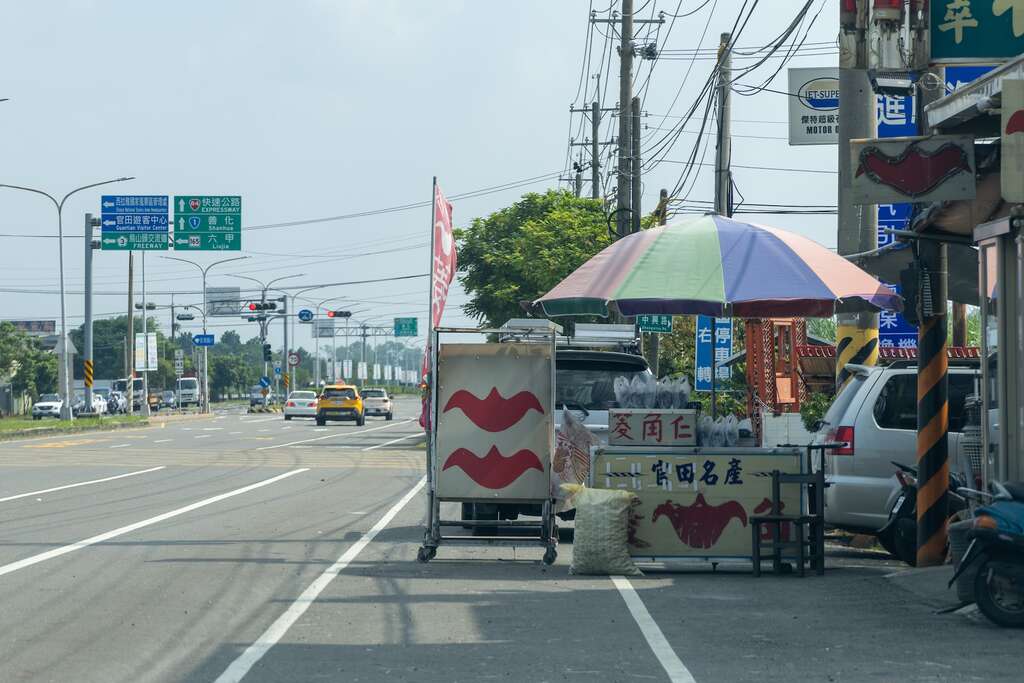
<point x="87" y="371"/>
<point x="932" y="408"/>
<point x="856" y="342"/>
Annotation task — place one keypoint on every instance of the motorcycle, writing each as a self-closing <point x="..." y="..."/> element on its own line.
<point x="899" y="535"/>
<point x="997" y="549"/>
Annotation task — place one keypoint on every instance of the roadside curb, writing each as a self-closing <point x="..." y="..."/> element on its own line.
<point x="40" y="432"/>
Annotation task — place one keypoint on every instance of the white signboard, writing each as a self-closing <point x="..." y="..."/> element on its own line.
<point x="224" y="300"/>
<point x="323" y="328"/>
<point x="912" y="169"/>
<point x="814" y="110"/>
<point x="387" y="373"/>
<point x="1012" y="171"/>
<point x="361" y="370"/>
<point x="377" y="371"/>
<point x="495" y="429"/>
<point x="346" y="367"/>
<point x="146" y="357"/>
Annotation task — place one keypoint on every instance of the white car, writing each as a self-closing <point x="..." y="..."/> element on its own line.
<point x="300" y="404"/>
<point x="377" y="402"/>
<point x="48" y="405"/>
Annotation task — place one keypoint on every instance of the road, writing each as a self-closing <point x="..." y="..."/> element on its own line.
<point x="237" y="546"/>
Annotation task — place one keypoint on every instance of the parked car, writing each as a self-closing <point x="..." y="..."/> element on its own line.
<point x="584" y="384"/>
<point x="377" y="402"/>
<point x="300" y="404"/>
<point x="168" y="399"/>
<point x="256" y="397"/>
<point x="875" y="414"/>
<point x="340" y="402"/>
<point x="48" y="405"/>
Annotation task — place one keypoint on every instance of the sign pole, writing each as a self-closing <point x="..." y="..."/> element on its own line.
<point x="87" y="326"/>
<point x="429" y="426"/>
<point x="145" y="343"/>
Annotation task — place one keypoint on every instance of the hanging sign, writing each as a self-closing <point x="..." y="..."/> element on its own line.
<point x="976" y="29"/>
<point x="912" y="169"/>
<point x="1012" y="171"/>
<point x="814" y="110"/>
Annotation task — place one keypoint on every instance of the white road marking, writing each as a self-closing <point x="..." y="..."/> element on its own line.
<point x="320" y="429"/>
<point x="81" y="483"/>
<point x="254" y="653"/>
<point x="212" y="429"/>
<point x="120" y="445"/>
<point x="234" y="433"/>
<point x="163" y="440"/>
<point x="262" y="419"/>
<point x="333" y="435"/>
<point x="388" y="443"/>
<point x="203" y="436"/>
<point x="674" y="667"/>
<point x="186" y="429"/>
<point x="120" y="531"/>
<point x="263" y="430"/>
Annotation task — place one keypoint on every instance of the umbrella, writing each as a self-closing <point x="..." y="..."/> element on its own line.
<point x="720" y="267"/>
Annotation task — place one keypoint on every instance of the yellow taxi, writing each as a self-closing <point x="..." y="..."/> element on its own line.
<point x="340" y="402"/>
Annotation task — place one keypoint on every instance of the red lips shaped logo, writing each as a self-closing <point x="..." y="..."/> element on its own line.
<point x="700" y="525"/>
<point x="494" y="413"/>
<point x="913" y="172"/>
<point x="494" y="471"/>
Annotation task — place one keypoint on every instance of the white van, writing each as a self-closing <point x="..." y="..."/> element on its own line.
<point x="188" y="392"/>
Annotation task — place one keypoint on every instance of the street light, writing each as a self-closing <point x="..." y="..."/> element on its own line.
<point x="65" y="410"/>
<point x="204" y="271"/>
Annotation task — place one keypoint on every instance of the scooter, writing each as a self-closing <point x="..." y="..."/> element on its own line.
<point x="899" y="535"/>
<point x="997" y="550"/>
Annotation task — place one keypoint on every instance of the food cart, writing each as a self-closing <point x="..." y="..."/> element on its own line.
<point x="695" y="500"/>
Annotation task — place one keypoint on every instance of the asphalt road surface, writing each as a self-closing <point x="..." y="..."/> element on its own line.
<point x="245" y="547"/>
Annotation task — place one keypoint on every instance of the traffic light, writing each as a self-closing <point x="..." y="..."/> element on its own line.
<point x="263" y="306"/>
<point x="339" y="314"/>
<point x="267" y="353"/>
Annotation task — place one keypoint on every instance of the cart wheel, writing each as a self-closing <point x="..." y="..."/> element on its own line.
<point x="426" y="554"/>
<point x="549" y="556"/>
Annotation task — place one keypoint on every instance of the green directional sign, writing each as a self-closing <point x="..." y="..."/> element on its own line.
<point x="207" y="222"/>
<point x="209" y="241"/>
<point x="654" y="323"/>
<point x="134" y="241"/>
<point x="976" y="29"/>
<point x="405" y="327"/>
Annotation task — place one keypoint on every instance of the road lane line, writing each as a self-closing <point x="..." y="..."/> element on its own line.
<point x="120" y="531"/>
<point x="333" y="435"/>
<point x="262" y="419"/>
<point x="388" y="443"/>
<point x="241" y="666"/>
<point x="212" y="429"/>
<point x="235" y="433"/>
<point x="674" y="667"/>
<point x="120" y="445"/>
<point x="163" y="440"/>
<point x="81" y="483"/>
<point x="204" y="436"/>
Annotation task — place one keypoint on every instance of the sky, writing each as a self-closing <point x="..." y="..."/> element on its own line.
<point x="318" y="108"/>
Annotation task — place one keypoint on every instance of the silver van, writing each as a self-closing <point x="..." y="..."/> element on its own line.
<point x="875" y="414"/>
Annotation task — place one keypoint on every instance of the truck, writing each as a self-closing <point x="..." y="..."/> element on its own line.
<point x="138" y="394"/>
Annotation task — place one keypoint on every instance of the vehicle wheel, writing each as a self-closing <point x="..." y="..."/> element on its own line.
<point x="999" y="591"/>
<point x="287" y="417"/>
<point x="887" y="541"/>
<point x="550" y="555"/>
<point x="37" y="417"/>
<point x="361" y="420"/>
<point x="389" y="416"/>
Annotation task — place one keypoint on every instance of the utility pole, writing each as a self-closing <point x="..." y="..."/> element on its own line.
<point x="635" y="184"/>
<point x="87" y="357"/>
<point x="622" y="221"/>
<point x="129" y="364"/>
<point x="578" y="180"/>
<point x="145" y="343"/>
<point x="595" y="162"/>
<point x="856" y="333"/>
<point x="284" y="361"/>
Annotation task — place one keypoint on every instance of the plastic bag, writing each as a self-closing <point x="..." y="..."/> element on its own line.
<point x="645" y="391"/>
<point x="623" y="394"/>
<point x="732" y="430"/>
<point x="704" y="429"/>
<point x="666" y="393"/>
<point x="718" y="433"/>
<point x="683" y="392"/>
<point x="600" y="541"/>
<point x="571" y="462"/>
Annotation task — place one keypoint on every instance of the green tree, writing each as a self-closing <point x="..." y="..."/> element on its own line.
<point x="519" y="253"/>
<point x="24" y="363"/>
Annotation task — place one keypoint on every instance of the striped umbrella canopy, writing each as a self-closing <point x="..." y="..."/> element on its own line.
<point x="718" y="266"/>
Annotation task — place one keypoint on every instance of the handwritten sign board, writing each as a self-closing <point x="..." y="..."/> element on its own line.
<point x="495" y="429"/>
<point x="697" y="503"/>
<point x="640" y="427"/>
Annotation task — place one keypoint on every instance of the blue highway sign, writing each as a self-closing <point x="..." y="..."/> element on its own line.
<point x="305" y="315"/>
<point x="202" y="340"/>
<point x="264" y="381"/>
<point x="134" y="222"/>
